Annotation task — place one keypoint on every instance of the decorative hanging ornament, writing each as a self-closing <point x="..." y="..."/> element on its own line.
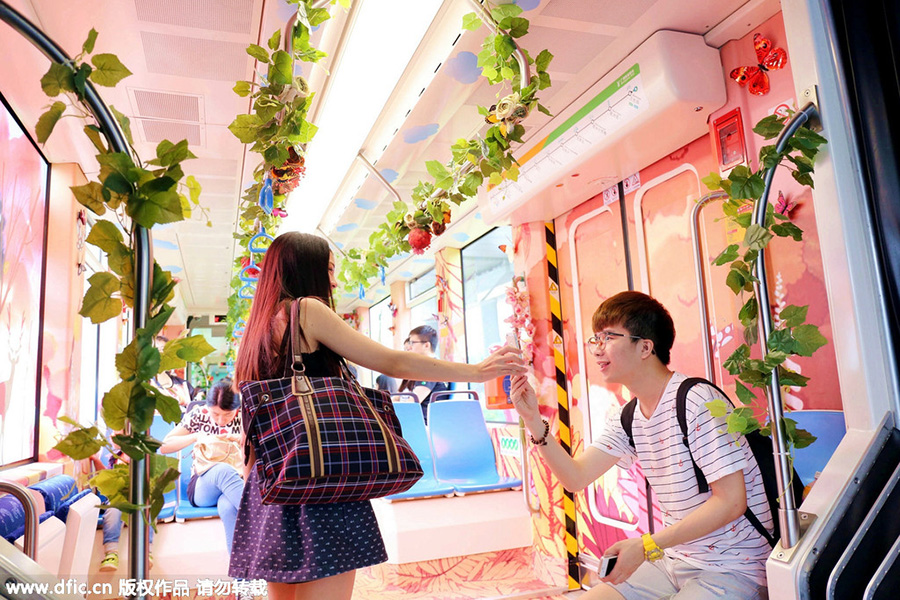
<point x="266" y="197"/>
<point x="381" y="272"/>
<point x="769" y="59"/>
<point x="362" y="292"/>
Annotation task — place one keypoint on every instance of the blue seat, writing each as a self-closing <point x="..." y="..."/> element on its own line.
<point x="462" y="448"/>
<point x="829" y="428"/>
<point x="413" y="424"/>
<point x="184" y="510"/>
<point x="158" y="429"/>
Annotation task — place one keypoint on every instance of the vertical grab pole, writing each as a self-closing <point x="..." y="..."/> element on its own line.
<point x="701" y="278"/>
<point x="143" y="261"/>
<point x="787" y="512"/>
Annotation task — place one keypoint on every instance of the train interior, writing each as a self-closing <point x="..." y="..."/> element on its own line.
<point x="616" y="189"/>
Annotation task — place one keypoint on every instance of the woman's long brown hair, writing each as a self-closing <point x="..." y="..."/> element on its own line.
<point x="294" y="266"/>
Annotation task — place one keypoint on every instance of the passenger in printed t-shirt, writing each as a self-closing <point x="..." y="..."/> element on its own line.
<point x="422" y="340"/>
<point x="708" y="548"/>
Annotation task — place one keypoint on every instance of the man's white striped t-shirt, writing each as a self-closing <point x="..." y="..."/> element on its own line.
<point x="736" y="547"/>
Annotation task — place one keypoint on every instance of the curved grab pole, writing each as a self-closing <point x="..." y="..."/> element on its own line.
<point x="29" y="545"/>
<point x="787" y="512"/>
<point x="143" y="261"/>
<point x="524" y="68"/>
<point x="700" y="269"/>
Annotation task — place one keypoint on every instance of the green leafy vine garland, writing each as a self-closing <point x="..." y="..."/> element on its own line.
<point x="139" y="193"/>
<point x="794" y="336"/>
<point x="278" y="128"/>
<point x="474" y="161"/>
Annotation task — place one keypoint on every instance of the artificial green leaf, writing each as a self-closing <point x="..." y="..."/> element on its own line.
<point x="138" y="360"/>
<point x="124" y="123"/>
<point x="442" y="177"/>
<point x="168" y="407"/>
<point x="743" y="393"/>
<point x="275" y="156"/>
<point x="735" y="281"/>
<point x="754" y="377"/>
<point x="90" y="196"/>
<point x="751" y="335"/>
<point x="504" y="45"/>
<point x="137" y="445"/>
<point x="793" y="315"/>
<point x="791" y="378"/>
<point x="749" y="312"/>
<point x="717" y="408"/>
<point x="803" y="179"/>
<point x="48" y="120"/>
<point x="712" y="181"/>
<point x="781" y="340"/>
<point x="108" y="70"/>
<point x="163" y="286"/>
<point x="168" y="154"/>
<point x="275" y="41"/>
<point x="155" y="208"/>
<point x="93" y="133"/>
<point x="503" y="11"/>
<point x="98" y="303"/>
<point x="141" y="407"/>
<point x="242" y="88"/>
<point x="768" y="157"/>
<point x="808" y="138"/>
<point x="737" y="422"/>
<point x="750" y="188"/>
<point x="59" y="78"/>
<point x="518" y="27"/>
<point x="788" y="229"/>
<point x="159" y="486"/>
<point x="757" y="237"/>
<point x="542" y="62"/>
<point x="258" y="52"/>
<point x="727" y="255"/>
<point x="88" y="46"/>
<point x="79" y="79"/>
<point x="769" y="127"/>
<point x="808" y="339"/>
<point x="471" y="22"/>
<point x="245" y="127"/>
<point x="281" y="71"/>
<point x="194" y="188"/>
<point x="81" y="443"/>
<point x="115" y="405"/>
<point x="775" y="358"/>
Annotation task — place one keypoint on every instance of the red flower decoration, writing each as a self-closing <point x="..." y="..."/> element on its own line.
<point x="419" y="239"/>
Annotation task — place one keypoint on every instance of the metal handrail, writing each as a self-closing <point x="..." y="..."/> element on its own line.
<point x="700" y="268"/>
<point x="788" y="516"/>
<point x="29" y="544"/>
<point x="143" y="261"/>
<point x="377" y="174"/>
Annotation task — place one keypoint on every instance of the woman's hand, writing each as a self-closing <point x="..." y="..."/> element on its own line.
<point x="505" y="361"/>
<point x="526" y="404"/>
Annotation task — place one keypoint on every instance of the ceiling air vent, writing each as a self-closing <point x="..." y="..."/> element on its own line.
<point x="235" y="16"/>
<point x="168" y="105"/>
<point x="195" y="57"/>
<point x="158" y="130"/>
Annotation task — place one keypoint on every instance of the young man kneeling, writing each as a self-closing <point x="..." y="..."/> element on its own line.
<point x="707" y="548"/>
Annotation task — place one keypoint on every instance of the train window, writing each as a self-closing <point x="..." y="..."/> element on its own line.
<point x="23" y="247"/>
<point x="421" y="285"/>
<point x="487" y="273"/>
<point x="381" y="322"/>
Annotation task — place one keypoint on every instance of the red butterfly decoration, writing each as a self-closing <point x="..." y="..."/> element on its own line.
<point x="769" y="59"/>
<point x="783" y="206"/>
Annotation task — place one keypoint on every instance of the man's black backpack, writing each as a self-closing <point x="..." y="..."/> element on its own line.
<point x="760" y="445"/>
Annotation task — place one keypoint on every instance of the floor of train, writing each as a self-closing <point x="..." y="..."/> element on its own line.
<point x="198" y="547"/>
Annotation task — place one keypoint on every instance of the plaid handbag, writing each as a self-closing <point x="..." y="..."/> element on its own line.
<point x="324" y="439"/>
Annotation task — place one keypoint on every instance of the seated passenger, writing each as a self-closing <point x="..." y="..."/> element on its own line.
<point x="707" y="548"/>
<point x="422" y="340"/>
<point x="215" y="431"/>
<point x="112" y="521"/>
<point x="386" y="384"/>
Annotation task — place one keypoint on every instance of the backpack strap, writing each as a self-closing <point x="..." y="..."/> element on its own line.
<point x="702" y="485"/>
<point x="627" y="419"/>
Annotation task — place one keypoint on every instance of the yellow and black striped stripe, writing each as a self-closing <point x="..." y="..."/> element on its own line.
<point x="562" y="397"/>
